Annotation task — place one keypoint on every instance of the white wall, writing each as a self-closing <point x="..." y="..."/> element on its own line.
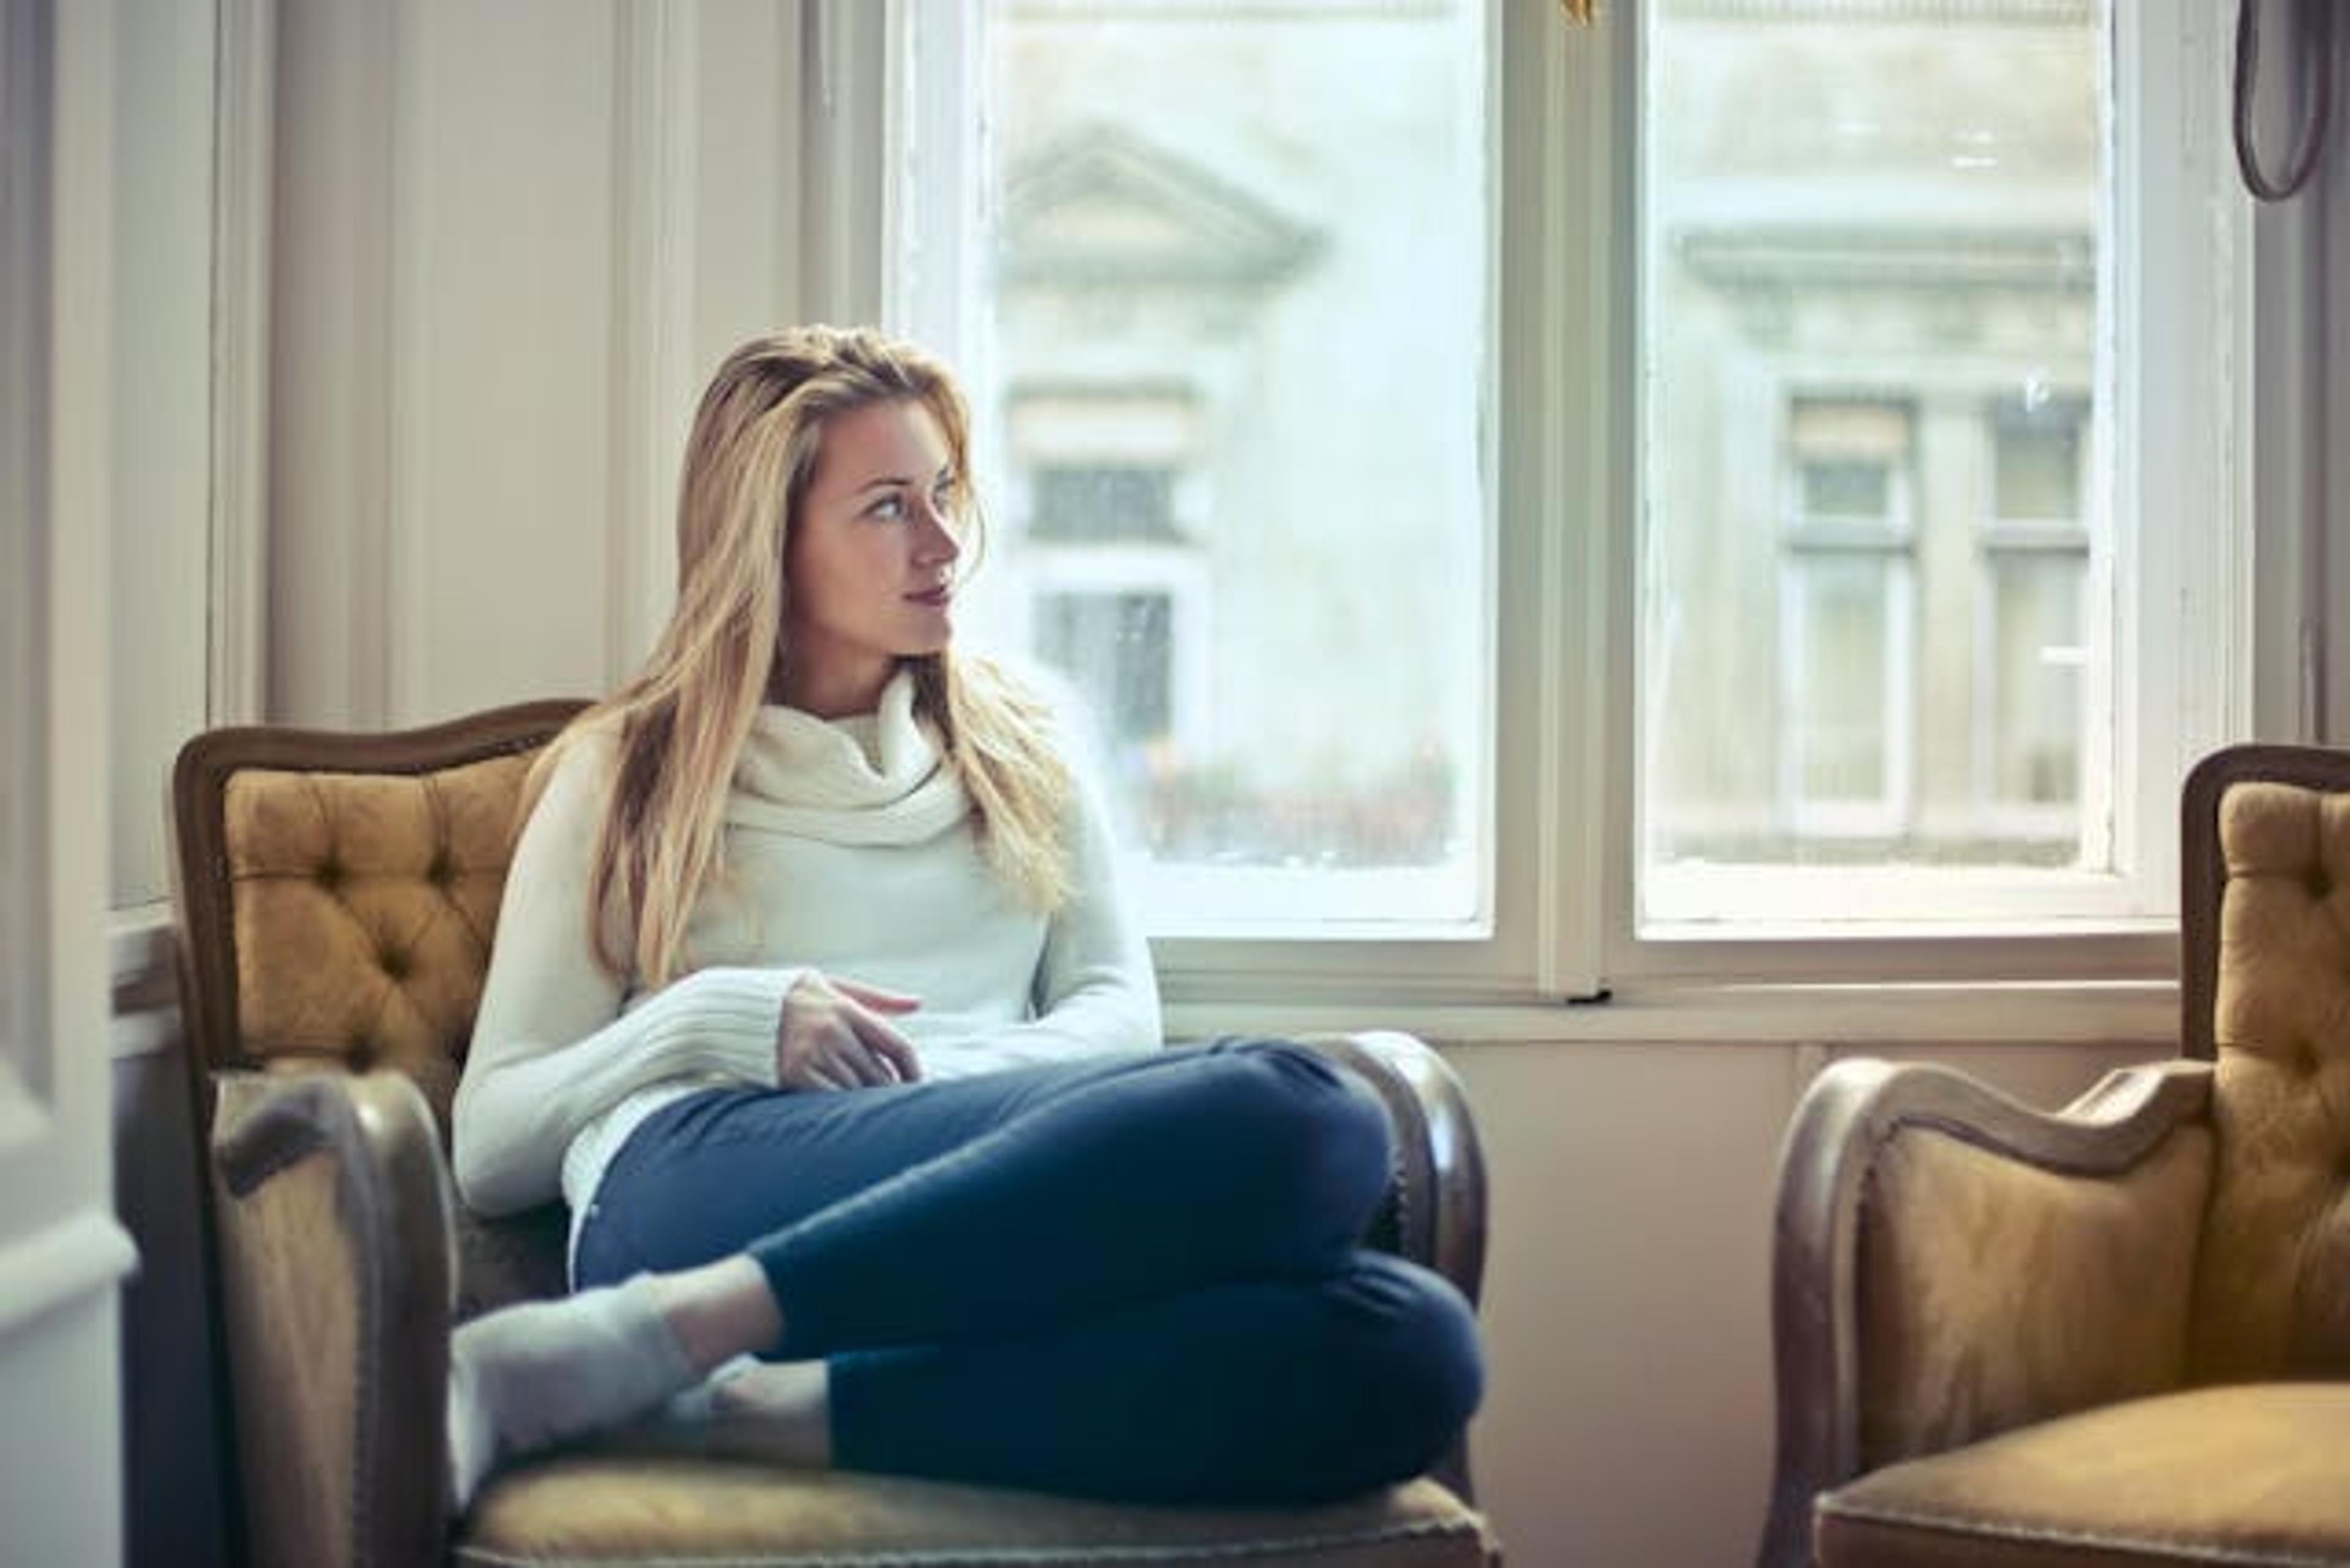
<point x="161" y="388"/>
<point x="1628" y="1421"/>
<point x="511" y="243"/>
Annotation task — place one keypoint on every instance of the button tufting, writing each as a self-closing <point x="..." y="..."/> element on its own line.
<point x="396" y="962"/>
<point x="329" y="875"/>
<point x="361" y="1051"/>
<point x="2319" y="881"/>
<point x="441" y="873"/>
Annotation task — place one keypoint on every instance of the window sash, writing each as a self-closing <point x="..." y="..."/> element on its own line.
<point x="2170" y="199"/>
<point x="1563" y="809"/>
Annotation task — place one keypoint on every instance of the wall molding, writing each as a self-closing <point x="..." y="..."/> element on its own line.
<point x="244" y="208"/>
<point x="655" y="164"/>
<point x="845" y="178"/>
<point x="407" y="528"/>
<point x="331" y="244"/>
<point x="61" y="1264"/>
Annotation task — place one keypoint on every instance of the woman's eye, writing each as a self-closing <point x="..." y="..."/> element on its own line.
<point x="890" y="507"/>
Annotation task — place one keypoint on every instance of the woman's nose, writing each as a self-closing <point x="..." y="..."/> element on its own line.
<point x="937" y="541"/>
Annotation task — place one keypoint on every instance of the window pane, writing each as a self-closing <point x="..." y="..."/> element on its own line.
<point x="1847" y="489"/>
<point x="1869" y="347"/>
<point x="1232" y="381"/>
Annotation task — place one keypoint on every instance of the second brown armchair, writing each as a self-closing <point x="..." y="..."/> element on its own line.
<point x="2116" y="1335"/>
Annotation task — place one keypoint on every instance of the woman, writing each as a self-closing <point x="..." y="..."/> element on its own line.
<point x="813" y="996"/>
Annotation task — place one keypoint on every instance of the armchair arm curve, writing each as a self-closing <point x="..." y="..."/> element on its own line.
<point x="333" y="1230"/>
<point x="1891" y="1340"/>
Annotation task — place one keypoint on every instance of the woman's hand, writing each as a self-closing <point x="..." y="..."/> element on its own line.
<point x="837" y="1034"/>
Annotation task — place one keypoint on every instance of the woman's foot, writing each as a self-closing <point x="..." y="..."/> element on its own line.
<point x="529" y="1377"/>
<point x="787" y="1405"/>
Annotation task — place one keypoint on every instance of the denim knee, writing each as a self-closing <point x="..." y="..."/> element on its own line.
<point x="1309" y="1129"/>
<point x="1406" y="1337"/>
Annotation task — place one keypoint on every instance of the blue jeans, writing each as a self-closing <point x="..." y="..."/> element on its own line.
<point x="1135" y="1278"/>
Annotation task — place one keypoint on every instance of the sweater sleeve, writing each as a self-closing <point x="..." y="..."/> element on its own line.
<point x="555" y="1044"/>
<point x="1095" y="989"/>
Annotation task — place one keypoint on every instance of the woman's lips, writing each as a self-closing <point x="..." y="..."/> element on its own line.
<point x="936" y="598"/>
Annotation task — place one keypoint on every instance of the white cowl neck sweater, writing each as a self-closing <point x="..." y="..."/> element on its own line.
<point x="848" y="849"/>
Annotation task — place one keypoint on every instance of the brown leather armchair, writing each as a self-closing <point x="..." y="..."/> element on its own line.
<point x="2118" y="1333"/>
<point x="337" y="894"/>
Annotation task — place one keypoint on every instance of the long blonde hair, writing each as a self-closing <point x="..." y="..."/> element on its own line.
<point x="681" y="722"/>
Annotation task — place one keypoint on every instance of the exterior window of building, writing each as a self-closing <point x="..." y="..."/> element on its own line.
<point x="1233" y="364"/>
<point x="1101" y="502"/>
<point x="1845" y="626"/>
<point x="1111" y="630"/>
<point x="1121" y="643"/>
<point x="2035" y="551"/>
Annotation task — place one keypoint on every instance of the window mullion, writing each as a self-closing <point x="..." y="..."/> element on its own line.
<point x="1566" y="730"/>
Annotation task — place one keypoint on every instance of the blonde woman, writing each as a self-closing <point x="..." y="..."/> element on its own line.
<point x="812" y="994"/>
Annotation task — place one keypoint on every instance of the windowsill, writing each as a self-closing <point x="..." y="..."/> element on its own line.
<point x="2039" y="1013"/>
<point x="2013" y="1013"/>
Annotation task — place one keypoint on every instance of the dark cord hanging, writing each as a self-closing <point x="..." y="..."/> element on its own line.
<point x="2317" y="26"/>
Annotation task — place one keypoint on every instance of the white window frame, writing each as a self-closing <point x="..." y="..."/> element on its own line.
<point x="1563" y="809"/>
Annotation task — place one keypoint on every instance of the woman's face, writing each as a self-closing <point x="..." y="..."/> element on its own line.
<point x="870" y="557"/>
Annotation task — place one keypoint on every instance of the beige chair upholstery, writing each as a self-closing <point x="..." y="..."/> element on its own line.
<point x="2115" y="1335"/>
<point x="336" y="899"/>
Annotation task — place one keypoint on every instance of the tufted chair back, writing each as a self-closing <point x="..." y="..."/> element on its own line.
<point x="337" y="894"/>
<point x="2266" y="985"/>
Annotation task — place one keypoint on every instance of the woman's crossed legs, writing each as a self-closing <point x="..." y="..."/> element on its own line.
<point x="1133" y="1278"/>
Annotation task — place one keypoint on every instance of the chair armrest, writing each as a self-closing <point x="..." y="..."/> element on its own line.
<point x="332" y="1227"/>
<point x="1949" y="1264"/>
<point x="1435" y="1214"/>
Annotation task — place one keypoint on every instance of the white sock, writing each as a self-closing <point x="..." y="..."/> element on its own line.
<point x="531" y="1376"/>
<point x="698" y="1404"/>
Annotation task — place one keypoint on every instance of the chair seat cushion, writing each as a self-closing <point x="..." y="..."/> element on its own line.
<point x="2251" y="1475"/>
<point x="606" y="1507"/>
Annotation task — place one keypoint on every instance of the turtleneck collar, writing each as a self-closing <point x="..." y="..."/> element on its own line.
<point x="868" y="779"/>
